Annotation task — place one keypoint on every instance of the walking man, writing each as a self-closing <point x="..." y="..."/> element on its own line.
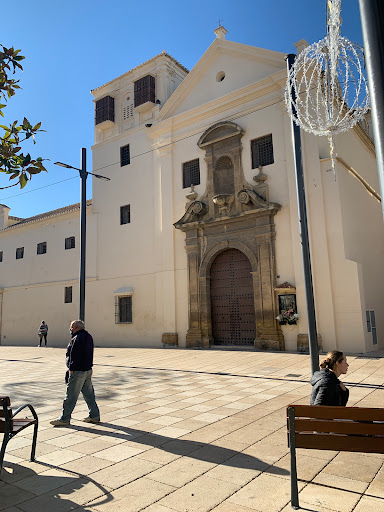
<point x="43" y="332"/>
<point x="79" y="359"/>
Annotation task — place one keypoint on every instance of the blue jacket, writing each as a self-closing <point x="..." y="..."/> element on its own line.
<point x="79" y="356"/>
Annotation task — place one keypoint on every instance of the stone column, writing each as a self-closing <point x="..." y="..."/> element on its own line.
<point x="194" y="336"/>
<point x="268" y="334"/>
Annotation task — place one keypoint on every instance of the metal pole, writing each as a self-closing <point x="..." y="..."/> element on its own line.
<point x="372" y="23"/>
<point x="303" y="226"/>
<point x="83" y="229"/>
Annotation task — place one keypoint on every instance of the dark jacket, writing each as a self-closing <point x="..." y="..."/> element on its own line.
<point x="326" y="389"/>
<point x="79" y="356"/>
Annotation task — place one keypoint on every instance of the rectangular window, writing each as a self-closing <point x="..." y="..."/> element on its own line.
<point x="123" y="310"/>
<point x="20" y="253"/>
<point x="191" y="173"/>
<point x="262" y="151"/>
<point x="125" y="214"/>
<point x="125" y="158"/>
<point x="68" y="294"/>
<point x="1" y="256"/>
<point x="371" y="325"/>
<point x="144" y="90"/>
<point x="70" y="242"/>
<point x="42" y="248"/>
<point x="105" y="110"/>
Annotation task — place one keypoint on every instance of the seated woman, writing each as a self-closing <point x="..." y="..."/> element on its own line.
<point x="327" y="388"/>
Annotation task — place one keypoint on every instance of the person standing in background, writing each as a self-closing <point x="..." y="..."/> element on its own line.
<point x="43" y="332"/>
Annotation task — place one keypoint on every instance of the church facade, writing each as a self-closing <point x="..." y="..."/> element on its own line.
<point x="194" y="241"/>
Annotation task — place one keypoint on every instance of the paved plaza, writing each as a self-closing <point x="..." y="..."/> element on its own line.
<point x="181" y="431"/>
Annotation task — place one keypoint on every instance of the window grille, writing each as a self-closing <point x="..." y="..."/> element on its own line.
<point x="42" y="248"/>
<point x="70" y="242"/>
<point x="144" y="90"/>
<point x="68" y="294"/>
<point x="125" y="157"/>
<point x="1" y="256"/>
<point x="128" y="112"/>
<point x="19" y="253"/>
<point x="262" y="151"/>
<point x="105" y="110"/>
<point x="125" y="214"/>
<point x="191" y="173"/>
<point x="123" y="309"/>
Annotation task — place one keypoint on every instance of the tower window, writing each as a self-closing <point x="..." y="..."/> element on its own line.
<point x="144" y="90"/>
<point x="191" y="173"/>
<point x="105" y="110"/>
<point x="19" y="253"/>
<point x="262" y="151"/>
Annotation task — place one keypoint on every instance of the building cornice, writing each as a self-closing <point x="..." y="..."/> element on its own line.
<point x="48" y="215"/>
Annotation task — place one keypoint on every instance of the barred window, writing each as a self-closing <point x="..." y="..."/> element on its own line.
<point x="105" y="110"/>
<point x="123" y="309"/>
<point x="68" y="294"/>
<point x="70" y="242"/>
<point x="19" y="253"/>
<point x="1" y="256"/>
<point x="42" y="248"/>
<point x="262" y="151"/>
<point x="125" y="214"/>
<point x="144" y="90"/>
<point x="125" y="157"/>
<point x="191" y="173"/>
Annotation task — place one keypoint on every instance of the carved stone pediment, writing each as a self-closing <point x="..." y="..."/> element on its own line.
<point x="195" y="211"/>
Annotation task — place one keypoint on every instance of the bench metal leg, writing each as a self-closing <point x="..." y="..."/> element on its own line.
<point x="2" y="451"/>
<point x="33" y="450"/>
<point x="292" y="445"/>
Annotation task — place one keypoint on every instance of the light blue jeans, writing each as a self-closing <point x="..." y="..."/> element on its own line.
<point x="79" y="381"/>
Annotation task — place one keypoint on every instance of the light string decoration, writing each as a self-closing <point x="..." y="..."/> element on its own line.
<point x="330" y="89"/>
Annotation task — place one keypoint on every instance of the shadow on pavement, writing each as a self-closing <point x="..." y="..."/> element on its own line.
<point x="46" y="490"/>
<point x="200" y="451"/>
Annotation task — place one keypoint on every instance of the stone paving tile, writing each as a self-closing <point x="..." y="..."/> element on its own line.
<point x="369" y="504"/>
<point x="200" y="495"/>
<point x="181" y="471"/>
<point x="124" y="472"/>
<point x="134" y="496"/>
<point x="330" y="499"/>
<point x="118" y="453"/>
<point x="86" y="465"/>
<point x="12" y="495"/>
<point x="264" y="493"/>
<point x="46" y="481"/>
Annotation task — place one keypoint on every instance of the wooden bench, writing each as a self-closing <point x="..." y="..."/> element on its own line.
<point x="10" y="426"/>
<point x="344" y="429"/>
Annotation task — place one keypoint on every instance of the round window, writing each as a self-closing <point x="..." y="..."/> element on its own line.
<point x="220" y="76"/>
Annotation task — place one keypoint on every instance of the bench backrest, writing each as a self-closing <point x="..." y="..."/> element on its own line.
<point x="352" y="429"/>
<point x="5" y="414"/>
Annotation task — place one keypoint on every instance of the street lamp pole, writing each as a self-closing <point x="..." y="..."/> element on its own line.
<point x="83" y="173"/>
<point x="83" y="232"/>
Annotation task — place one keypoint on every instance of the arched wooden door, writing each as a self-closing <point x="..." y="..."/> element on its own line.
<point x="232" y="303"/>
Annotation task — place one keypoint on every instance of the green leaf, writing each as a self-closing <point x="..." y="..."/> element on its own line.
<point x="23" y="180"/>
<point x="37" y="126"/>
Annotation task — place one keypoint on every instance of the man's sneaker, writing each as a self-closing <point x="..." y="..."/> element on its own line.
<point x="91" y="420"/>
<point x="59" y="423"/>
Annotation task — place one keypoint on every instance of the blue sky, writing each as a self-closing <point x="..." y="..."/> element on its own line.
<point x="74" y="46"/>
